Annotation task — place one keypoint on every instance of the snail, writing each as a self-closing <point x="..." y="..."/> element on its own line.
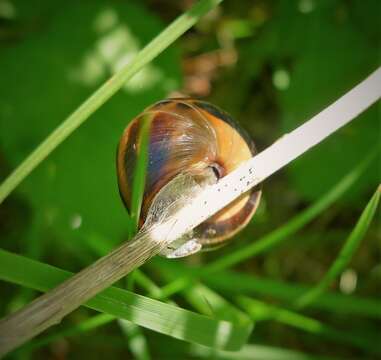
<point x="197" y="138"/>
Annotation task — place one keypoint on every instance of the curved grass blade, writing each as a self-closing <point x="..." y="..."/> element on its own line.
<point x="152" y="314"/>
<point x="261" y="311"/>
<point x="346" y="253"/>
<point x="108" y="89"/>
<point x="208" y="301"/>
<point x="236" y="283"/>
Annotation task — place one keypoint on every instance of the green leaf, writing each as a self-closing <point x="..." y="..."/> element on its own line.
<point x="346" y="253"/>
<point x="152" y="314"/>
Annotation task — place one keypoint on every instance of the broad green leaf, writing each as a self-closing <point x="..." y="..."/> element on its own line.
<point x="152" y="314"/>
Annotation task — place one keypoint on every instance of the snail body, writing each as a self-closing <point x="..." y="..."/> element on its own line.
<point x="192" y="137"/>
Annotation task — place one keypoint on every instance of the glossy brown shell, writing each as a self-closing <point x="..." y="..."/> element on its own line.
<point x="189" y="136"/>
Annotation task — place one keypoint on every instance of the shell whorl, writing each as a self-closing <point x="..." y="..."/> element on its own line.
<point x="189" y="136"/>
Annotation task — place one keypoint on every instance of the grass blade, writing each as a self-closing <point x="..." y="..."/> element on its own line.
<point x="209" y="302"/>
<point x="346" y="253"/>
<point x="257" y="352"/>
<point x="152" y="314"/>
<point x="261" y="311"/>
<point x="140" y="171"/>
<point x="108" y="89"/>
<point x="85" y="326"/>
<point x="137" y="343"/>
<point x="235" y="283"/>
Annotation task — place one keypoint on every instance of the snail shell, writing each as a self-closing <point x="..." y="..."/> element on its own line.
<point x="193" y="137"/>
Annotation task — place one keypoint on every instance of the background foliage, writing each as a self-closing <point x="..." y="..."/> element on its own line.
<point x="272" y="65"/>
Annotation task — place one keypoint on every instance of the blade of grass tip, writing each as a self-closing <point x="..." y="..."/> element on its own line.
<point x="277" y="236"/>
<point x="108" y="89"/>
<point x="346" y="253"/>
<point x="140" y="171"/>
<point x="261" y="311"/>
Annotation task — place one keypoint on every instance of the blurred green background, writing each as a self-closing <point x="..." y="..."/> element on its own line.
<point x="270" y="64"/>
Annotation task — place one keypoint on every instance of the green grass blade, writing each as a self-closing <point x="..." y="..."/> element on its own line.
<point x="260" y="311"/>
<point x="208" y="301"/>
<point x="333" y="302"/>
<point x="295" y="224"/>
<point x="235" y="283"/>
<point x="108" y="89"/>
<point x="140" y="171"/>
<point x="101" y="247"/>
<point x="152" y="314"/>
<point x="346" y="253"/>
<point x="137" y="342"/>
<point x="257" y="352"/>
<point x="85" y="326"/>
